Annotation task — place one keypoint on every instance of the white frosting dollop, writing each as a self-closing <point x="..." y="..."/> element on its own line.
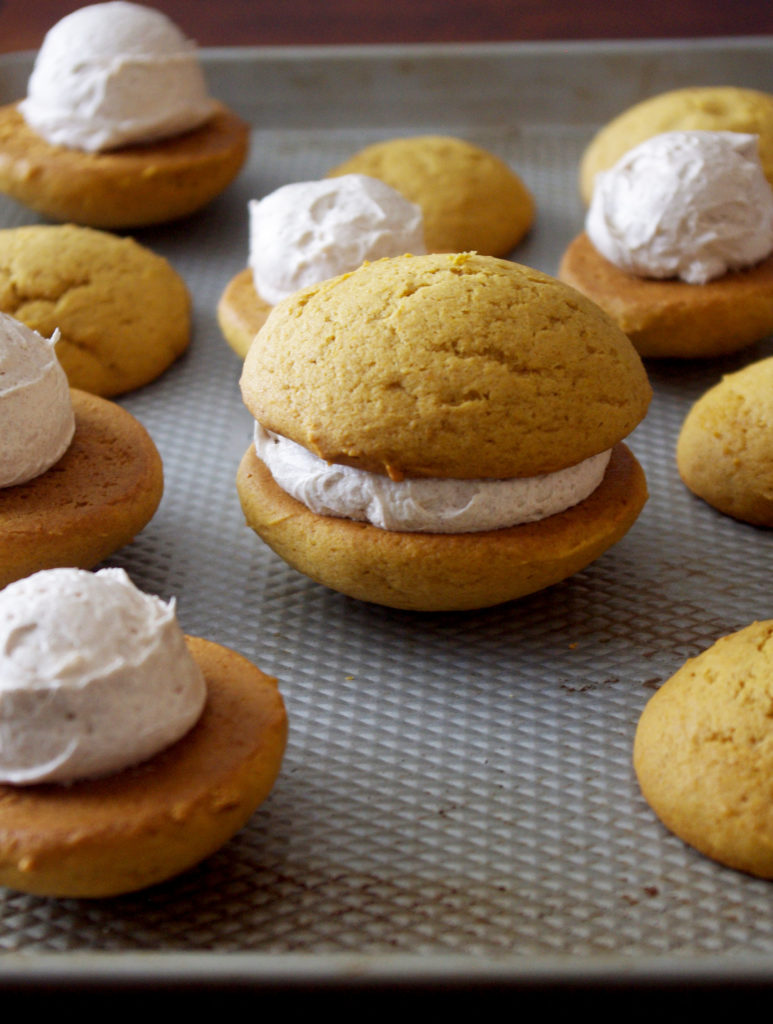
<point x="37" y="422"/>
<point x="687" y="204"/>
<point x="115" y="74"/>
<point x="423" y="505"/>
<point x="95" y="676"/>
<point x="308" y="231"/>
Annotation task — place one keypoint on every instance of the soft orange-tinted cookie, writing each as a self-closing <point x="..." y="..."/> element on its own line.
<point x="241" y="312"/>
<point x="123" y="312"/>
<point x="103" y="837"/>
<point x="703" y="751"/>
<point x="459" y="365"/>
<point x="725" y="447"/>
<point x="101" y="493"/>
<point x="469" y="198"/>
<point x="670" y="318"/>
<point x="123" y="188"/>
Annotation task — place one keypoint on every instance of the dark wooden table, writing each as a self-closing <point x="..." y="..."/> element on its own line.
<point x="23" y="23"/>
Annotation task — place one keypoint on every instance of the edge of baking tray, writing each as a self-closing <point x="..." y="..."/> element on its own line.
<point x="413" y="83"/>
<point x="494" y="68"/>
<point x="265" y="972"/>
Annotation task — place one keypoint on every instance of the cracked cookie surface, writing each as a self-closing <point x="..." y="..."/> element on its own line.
<point x="445" y="365"/>
<point x="725" y="447"/>
<point x="703" y="751"/>
<point x="122" y="310"/>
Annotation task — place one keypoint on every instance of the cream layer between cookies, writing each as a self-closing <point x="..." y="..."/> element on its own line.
<point x="431" y="505"/>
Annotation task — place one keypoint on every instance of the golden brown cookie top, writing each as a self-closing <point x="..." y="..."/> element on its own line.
<point x="445" y="365"/>
<point x="707" y="108"/>
<point x="703" y="751"/>
<point x="725" y="447"/>
<point x="470" y="199"/>
<point x="122" y="310"/>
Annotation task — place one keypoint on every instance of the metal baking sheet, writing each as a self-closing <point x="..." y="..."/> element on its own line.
<point x="457" y="799"/>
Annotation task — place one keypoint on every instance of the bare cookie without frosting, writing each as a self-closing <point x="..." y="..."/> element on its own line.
<point x="103" y="837"/>
<point x="708" y="108"/>
<point x="123" y="311"/>
<point x="94" y="500"/>
<point x="703" y="751"/>
<point x="130" y="187"/>
<point x="469" y="198"/>
<point x="725" y="447"/>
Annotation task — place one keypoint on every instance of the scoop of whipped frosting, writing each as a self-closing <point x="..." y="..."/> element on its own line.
<point x="308" y="231"/>
<point x="36" y="416"/>
<point x="95" y="676"/>
<point x="686" y="204"/>
<point x="114" y="74"/>
<point x="430" y="505"/>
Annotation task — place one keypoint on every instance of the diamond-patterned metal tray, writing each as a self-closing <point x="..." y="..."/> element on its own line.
<point x="457" y="799"/>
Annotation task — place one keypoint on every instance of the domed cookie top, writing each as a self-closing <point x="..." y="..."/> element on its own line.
<point x="122" y="310"/>
<point x="703" y="751"/>
<point x="470" y="199"/>
<point x="711" y="108"/>
<point x="725" y="447"/>
<point x="445" y="365"/>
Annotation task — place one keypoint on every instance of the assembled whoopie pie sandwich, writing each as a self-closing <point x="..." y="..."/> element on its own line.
<point x="441" y="432"/>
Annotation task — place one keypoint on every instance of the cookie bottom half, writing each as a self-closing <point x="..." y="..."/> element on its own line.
<point x="442" y="572"/>
<point x="670" y="318"/>
<point x="108" y="836"/>
<point x="123" y="188"/>
<point x="96" y="498"/>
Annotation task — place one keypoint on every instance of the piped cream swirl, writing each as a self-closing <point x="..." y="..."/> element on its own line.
<point x="95" y="676"/>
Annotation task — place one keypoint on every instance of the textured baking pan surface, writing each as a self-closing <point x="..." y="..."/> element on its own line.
<point x="457" y="797"/>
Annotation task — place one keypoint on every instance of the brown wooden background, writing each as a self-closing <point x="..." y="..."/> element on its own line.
<point x="23" y="23"/>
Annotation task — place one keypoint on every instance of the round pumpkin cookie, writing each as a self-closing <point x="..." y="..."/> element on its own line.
<point x="122" y="311"/>
<point x="125" y="188"/>
<point x="241" y="312"/>
<point x="725" y="447"/>
<point x="479" y="379"/>
<point x="707" y="108"/>
<point x="469" y="198"/>
<point x="144" y="824"/>
<point x="703" y="751"/>
<point x="671" y="318"/>
<point x="95" y="499"/>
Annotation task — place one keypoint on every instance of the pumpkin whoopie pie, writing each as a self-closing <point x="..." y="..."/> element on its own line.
<point x="490" y="386"/>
